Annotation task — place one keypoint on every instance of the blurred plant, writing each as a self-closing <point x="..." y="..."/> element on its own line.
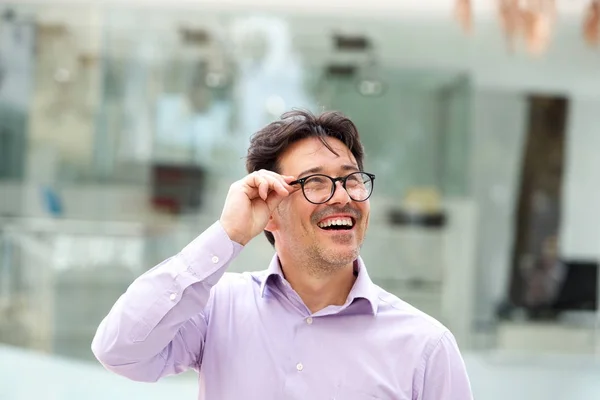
<point x="531" y="21"/>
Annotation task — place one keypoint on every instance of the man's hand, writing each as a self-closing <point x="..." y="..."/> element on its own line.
<point x="250" y="202"/>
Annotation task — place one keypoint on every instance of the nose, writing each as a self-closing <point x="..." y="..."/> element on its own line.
<point x="340" y="196"/>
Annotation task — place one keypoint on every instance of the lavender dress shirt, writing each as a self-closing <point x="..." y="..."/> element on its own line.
<point x="250" y="336"/>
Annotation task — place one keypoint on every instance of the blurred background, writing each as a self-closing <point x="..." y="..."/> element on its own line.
<point x="123" y="123"/>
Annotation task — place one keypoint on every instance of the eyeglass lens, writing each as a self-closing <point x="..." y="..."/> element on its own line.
<point x="320" y="188"/>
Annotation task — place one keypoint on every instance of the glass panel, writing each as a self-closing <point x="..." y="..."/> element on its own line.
<point x="17" y="39"/>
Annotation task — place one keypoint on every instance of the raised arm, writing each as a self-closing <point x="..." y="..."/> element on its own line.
<point x="158" y="326"/>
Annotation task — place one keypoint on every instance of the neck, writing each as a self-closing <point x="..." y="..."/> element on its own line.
<point x="319" y="290"/>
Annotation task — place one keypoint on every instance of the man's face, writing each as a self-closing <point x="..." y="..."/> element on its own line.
<point x="300" y="227"/>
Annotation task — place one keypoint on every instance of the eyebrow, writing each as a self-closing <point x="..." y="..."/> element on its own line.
<point x="317" y="170"/>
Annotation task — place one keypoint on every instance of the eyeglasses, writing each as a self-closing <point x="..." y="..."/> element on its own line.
<point x="319" y="189"/>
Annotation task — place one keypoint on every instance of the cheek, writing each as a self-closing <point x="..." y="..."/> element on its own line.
<point x="302" y="214"/>
<point x="282" y="214"/>
<point x="365" y="211"/>
<point x="295" y="213"/>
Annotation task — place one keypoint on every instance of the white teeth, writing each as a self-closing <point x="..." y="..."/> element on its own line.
<point x="338" y="222"/>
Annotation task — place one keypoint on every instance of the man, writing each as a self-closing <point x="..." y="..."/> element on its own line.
<point x="313" y="325"/>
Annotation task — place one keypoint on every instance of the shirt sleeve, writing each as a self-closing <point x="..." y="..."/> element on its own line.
<point x="157" y="327"/>
<point x="445" y="376"/>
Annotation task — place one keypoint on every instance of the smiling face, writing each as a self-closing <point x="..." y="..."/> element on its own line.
<point x="323" y="236"/>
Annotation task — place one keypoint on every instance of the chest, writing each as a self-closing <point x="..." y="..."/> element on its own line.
<point x="278" y="352"/>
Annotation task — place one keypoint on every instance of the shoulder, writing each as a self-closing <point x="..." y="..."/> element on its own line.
<point x="429" y="347"/>
<point x="239" y="283"/>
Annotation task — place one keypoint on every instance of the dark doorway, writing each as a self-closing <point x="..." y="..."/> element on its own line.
<point x="535" y="251"/>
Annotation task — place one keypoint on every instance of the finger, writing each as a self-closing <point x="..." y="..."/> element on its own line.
<point x="273" y="200"/>
<point x="275" y="186"/>
<point x="285" y="189"/>
<point x="295" y="188"/>
<point x="255" y="180"/>
<point x="251" y="185"/>
<point x="261" y="183"/>
<point x="263" y="188"/>
<point x="284" y="179"/>
<point x="276" y="182"/>
<point x="282" y="190"/>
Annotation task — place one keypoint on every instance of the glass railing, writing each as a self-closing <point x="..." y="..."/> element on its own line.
<point x="59" y="278"/>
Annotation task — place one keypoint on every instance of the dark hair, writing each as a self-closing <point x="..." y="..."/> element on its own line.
<point x="267" y="145"/>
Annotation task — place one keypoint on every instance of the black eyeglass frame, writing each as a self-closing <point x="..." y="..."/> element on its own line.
<point x="342" y="179"/>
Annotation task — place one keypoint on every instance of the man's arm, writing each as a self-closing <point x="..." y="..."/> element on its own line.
<point x="445" y="376"/>
<point x="157" y="327"/>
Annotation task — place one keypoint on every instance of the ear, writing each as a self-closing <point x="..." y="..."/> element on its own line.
<point x="272" y="224"/>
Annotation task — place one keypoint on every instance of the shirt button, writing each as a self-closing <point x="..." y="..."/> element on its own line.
<point x="215" y="259"/>
<point x="309" y="320"/>
<point x="299" y="367"/>
<point x="173" y="296"/>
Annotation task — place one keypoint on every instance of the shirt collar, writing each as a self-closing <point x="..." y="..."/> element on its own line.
<point x="363" y="286"/>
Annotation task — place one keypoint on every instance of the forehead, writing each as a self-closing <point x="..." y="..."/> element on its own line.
<point x="311" y="153"/>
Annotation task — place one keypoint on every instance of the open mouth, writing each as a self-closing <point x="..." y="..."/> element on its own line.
<point x="337" y="224"/>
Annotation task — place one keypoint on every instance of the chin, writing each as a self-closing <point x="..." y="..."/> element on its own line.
<point x="340" y="257"/>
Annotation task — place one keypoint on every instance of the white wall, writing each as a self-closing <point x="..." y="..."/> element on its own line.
<point x="499" y="122"/>
<point x="580" y="230"/>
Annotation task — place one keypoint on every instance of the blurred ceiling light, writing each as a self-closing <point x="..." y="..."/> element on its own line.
<point x="531" y="21"/>
<point x="370" y="87"/>
<point x="538" y="21"/>
<point x="215" y="80"/>
<point x="252" y="38"/>
<point x="591" y="24"/>
<point x="370" y="82"/>
<point x="464" y="15"/>
<point x="275" y="105"/>
<point x="62" y="75"/>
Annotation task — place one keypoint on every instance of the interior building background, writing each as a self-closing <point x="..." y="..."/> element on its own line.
<point x="122" y="125"/>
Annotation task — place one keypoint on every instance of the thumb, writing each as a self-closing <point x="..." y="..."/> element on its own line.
<point x="273" y="200"/>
